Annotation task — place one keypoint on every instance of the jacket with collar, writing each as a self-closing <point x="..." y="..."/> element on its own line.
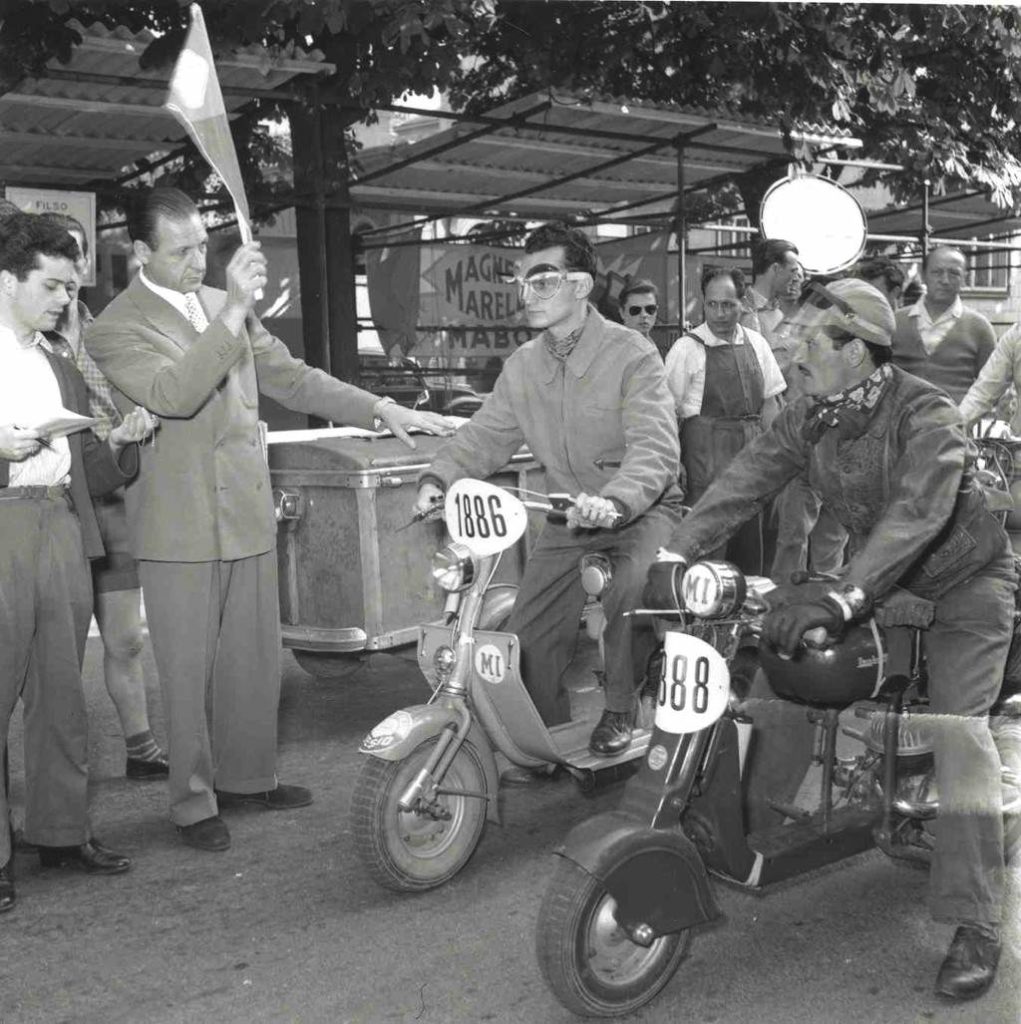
<point x="607" y="403"/>
<point x="903" y="489"/>
<point x="203" y="491"/>
<point x="94" y="470"/>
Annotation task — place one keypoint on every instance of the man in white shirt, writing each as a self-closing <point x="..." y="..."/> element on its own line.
<point x="47" y="531"/>
<point x="939" y="338"/>
<point x="774" y="265"/>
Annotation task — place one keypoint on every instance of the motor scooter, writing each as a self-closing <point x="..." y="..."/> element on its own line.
<point x="631" y="884"/>
<point x="429" y="782"/>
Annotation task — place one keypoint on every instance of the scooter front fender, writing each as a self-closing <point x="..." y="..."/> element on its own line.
<point x="657" y="877"/>
<point x="401" y="732"/>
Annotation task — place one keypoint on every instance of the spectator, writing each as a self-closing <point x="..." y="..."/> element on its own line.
<point x="639" y="304"/>
<point x="725" y="384"/>
<point x="881" y="272"/>
<point x="47" y="530"/>
<point x="939" y="338"/>
<point x="1002" y="369"/>
<point x="201" y="513"/>
<point x="774" y="265"/>
<point x="117" y="594"/>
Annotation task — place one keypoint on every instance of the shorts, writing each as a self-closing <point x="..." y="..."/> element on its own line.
<point x="117" y="569"/>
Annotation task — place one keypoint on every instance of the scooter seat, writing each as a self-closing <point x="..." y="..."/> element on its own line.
<point x="1007" y="707"/>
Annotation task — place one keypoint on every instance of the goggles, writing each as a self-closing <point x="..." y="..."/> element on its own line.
<point x="637" y="310"/>
<point x="546" y="284"/>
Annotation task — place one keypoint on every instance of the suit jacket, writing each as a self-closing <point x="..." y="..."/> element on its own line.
<point x="94" y="470"/>
<point x="203" y="491"/>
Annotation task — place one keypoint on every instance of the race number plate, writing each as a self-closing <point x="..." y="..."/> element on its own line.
<point x="694" y="685"/>
<point x="484" y="518"/>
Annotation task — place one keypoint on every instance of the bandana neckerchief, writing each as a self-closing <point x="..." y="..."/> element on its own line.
<point x="561" y="348"/>
<point x="847" y="411"/>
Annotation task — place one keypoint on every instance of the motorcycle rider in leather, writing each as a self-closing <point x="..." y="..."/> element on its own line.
<point x="590" y="399"/>
<point x="887" y="453"/>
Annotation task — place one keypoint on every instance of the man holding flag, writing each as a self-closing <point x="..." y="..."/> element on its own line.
<point x="201" y="516"/>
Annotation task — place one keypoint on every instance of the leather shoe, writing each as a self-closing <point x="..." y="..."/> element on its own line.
<point x="970" y="965"/>
<point x="612" y="734"/>
<point x="137" y="768"/>
<point x="91" y="857"/>
<point x="283" y="798"/>
<point x="207" y="834"/>
<point x="7" y="897"/>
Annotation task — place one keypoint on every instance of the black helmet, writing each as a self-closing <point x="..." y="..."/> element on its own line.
<point x="849" y="668"/>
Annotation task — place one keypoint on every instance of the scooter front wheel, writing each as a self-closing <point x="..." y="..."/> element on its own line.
<point x="410" y="851"/>
<point x="591" y="964"/>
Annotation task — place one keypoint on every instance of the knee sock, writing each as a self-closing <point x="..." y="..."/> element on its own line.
<point x="143" y="747"/>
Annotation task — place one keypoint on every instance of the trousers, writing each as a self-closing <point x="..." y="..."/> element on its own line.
<point x="215" y="632"/>
<point x="45" y="608"/>
<point x="548" y="608"/>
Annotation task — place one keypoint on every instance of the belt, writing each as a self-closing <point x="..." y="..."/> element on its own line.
<point x="35" y="493"/>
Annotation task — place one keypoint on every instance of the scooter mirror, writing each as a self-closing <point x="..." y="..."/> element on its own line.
<point x="484" y="518"/>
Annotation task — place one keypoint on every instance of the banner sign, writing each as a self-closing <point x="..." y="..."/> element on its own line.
<point x="79" y="205"/>
<point x="465" y="306"/>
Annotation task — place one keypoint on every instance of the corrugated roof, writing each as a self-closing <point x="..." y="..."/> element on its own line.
<point x="961" y="215"/>
<point x="539" y="157"/>
<point x="89" y="120"/>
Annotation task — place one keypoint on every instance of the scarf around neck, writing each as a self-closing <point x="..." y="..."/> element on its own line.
<point x="847" y="411"/>
<point x="561" y="348"/>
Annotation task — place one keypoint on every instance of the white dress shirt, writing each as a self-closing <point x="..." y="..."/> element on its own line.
<point x="30" y="393"/>
<point x="686" y="363"/>
<point x="932" y="332"/>
<point x="187" y="305"/>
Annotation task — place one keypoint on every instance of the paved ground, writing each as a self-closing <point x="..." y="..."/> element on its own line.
<point x="287" y="927"/>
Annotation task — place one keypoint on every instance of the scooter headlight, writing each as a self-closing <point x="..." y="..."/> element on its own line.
<point x="712" y="590"/>
<point x="596" y="574"/>
<point x="453" y="567"/>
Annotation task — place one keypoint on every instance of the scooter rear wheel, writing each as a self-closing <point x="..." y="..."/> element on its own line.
<point x="410" y="851"/>
<point x="592" y="965"/>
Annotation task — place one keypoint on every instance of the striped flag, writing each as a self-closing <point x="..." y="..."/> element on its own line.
<point x="197" y="103"/>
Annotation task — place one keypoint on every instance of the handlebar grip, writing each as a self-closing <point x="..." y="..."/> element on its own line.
<point x="556" y="516"/>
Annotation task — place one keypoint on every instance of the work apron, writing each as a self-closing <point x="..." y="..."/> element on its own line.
<point x="730" y="417"/>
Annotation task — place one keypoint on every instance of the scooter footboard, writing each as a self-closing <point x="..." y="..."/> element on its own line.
<point x="399" y="733"/>
<point x="656" y="877"/>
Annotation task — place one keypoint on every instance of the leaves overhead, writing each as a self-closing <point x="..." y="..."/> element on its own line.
<point x="933" y="87"/>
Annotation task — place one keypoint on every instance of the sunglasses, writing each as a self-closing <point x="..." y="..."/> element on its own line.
<point x="636" y="310"/>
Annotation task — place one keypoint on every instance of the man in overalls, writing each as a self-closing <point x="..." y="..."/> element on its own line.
<point x="724" y="380"/>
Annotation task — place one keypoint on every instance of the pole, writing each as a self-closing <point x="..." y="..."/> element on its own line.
<point x="681" y="231"/>
<point x="926" y="226"/>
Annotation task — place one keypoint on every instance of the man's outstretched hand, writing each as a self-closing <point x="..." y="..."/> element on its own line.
<point x="784" y="627"/>
<point x="399" y="420"/>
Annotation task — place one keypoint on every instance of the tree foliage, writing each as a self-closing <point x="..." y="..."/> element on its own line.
<point x="935" y="88"/>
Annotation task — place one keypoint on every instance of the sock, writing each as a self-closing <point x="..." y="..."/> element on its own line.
<point x="143" y="747"/>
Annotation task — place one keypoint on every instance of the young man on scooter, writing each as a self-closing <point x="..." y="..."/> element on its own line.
<point x="886" y="452"/>
<point x="590" y="399"/>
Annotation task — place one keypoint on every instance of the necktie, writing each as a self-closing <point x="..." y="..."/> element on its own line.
<point x="196" y="314"/>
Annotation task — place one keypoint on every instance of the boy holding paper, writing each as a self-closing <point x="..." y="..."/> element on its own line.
<point x="48" y="531"/>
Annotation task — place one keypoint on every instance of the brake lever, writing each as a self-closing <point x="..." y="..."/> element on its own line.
<point x="433" y="512"/>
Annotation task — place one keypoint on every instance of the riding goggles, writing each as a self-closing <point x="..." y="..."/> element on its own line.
<point x="546" y="284"/>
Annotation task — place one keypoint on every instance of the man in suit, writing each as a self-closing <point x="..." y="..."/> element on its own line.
<point x="48" y="530"/>
<point x="201" y="512"/>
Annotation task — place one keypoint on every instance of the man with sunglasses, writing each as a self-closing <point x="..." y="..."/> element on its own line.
<point x="888" y="454"/>
<point x="590" y="399"/>
<point x="639" y="304"/>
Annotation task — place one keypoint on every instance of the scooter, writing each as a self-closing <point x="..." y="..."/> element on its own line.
<point x="430" y="782"/>
<point x="631" y="884"/>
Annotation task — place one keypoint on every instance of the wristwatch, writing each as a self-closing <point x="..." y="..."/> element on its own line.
<point x="378" y="423"/>
<point x="851" y="600"/>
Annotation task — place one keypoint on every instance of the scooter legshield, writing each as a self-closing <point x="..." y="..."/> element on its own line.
<point x="656" y="877"/>
<point x="399" y="733"/>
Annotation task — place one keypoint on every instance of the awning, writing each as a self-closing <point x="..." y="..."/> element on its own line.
<point x="541" y="156"/>
<point x="86" y="122"/>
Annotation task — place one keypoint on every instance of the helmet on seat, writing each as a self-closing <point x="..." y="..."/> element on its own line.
<point x="838" y="673"/>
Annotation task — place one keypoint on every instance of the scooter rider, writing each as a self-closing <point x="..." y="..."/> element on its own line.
<point x="590" y="399"/>
<point x="886" y="452"/>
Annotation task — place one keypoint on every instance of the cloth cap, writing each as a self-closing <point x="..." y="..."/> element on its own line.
<point x="860" y="308"/>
